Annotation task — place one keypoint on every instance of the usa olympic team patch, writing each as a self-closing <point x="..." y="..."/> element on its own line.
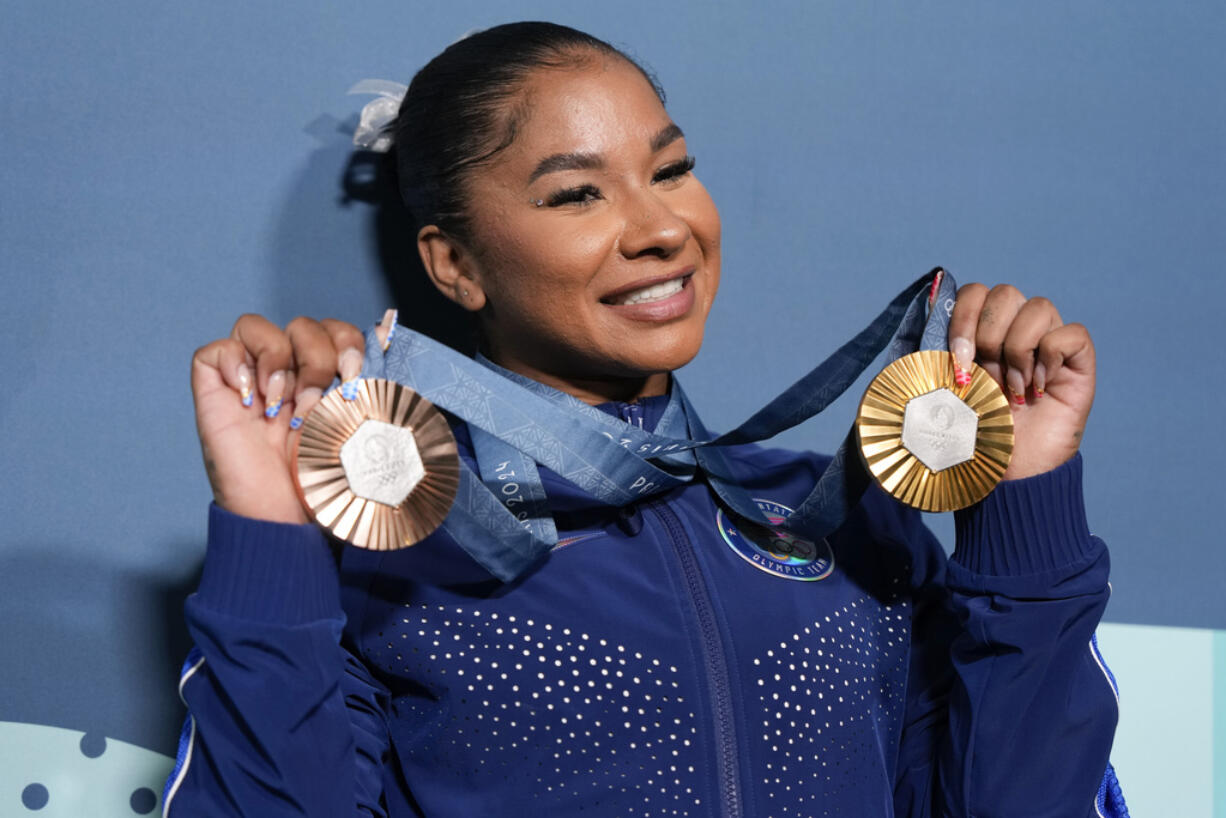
<point x="774" y="550"/>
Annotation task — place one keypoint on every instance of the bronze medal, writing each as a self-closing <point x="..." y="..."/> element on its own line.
<point x="380" y="471"/>
<point x="929" y="442"/>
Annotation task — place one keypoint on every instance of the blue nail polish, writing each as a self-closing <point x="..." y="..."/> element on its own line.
<point x="273" y="409"/>
<point x="349" y="389"/>
<point x="295" y="422"/>
<point x="248" y="398"/>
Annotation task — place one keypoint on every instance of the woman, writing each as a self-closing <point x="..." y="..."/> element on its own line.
<point x="657" y="662"/>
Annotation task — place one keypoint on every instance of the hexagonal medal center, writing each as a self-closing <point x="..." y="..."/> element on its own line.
<point x="382" y="463"/>
<point x="939" y="429"/>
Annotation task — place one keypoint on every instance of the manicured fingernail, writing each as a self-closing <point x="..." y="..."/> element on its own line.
<point x="1040" y="380"/>
<point x="303" y="404"/>
<point x="274" y="395"/>
<point x="244" y="384"/>
<point x="1017" y="386"/>
<point x="964" y="356"/>
<point x="350" y="367"/>
<point x="387" y="327"/>
<point x="961" y="376"/>
<point x="936" y="287"/>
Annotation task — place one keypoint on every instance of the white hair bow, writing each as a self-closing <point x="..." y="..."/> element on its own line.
<point x="378" y="113"/>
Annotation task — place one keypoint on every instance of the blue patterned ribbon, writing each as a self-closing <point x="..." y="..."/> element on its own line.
<point x="501" y="516"/>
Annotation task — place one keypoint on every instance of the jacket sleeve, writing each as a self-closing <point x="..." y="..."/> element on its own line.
<point x="282" y="721"/>
<point x="1011" y="711"/>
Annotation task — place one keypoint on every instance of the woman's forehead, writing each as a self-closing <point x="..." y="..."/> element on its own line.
<point x="594" y="107"/>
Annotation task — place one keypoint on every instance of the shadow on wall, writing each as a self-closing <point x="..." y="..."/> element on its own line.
<point x="345" y="246"/>
<point x="93" y="645"/>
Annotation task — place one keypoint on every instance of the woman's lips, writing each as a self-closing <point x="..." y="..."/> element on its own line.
<point x="659" y="301"/>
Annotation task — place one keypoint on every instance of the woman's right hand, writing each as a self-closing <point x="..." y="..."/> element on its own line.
<point x="251" y="392"/>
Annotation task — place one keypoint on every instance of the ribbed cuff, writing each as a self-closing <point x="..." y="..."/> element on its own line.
<point x="1026" y="526"/>
<point x="269" y="572"/>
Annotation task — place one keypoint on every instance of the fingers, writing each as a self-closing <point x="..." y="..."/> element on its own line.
<point x="1036" y="318"/>
<point x="1006" y="334"/>
<point x="224" y="361"/>
<point x="963" y="327"/>
<point x="322" y="349"/>
<point x="259" y="359"/>
<point x="1068" y="347"/>
<point x="1000" y="307"/>
<point x="267" y="348"/>
<point x="351" y="344"/>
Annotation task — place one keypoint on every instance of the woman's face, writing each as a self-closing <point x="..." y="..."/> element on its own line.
<point x="597" y="253"/>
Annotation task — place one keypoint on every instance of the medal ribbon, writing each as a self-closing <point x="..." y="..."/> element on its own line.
<point x="501" y="517"/>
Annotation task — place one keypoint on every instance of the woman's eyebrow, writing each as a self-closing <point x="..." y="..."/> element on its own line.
<point x="669" y="134"/>
<point x="566" y="161"/>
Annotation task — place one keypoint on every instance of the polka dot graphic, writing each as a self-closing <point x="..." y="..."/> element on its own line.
<point x="597" y="721"/>
<point x="56" y="773"/>
<point x="34" y="797"/>
<point x="93" y="745"/>
<point x="143" y="801"/>
<point x="827" y="694"/>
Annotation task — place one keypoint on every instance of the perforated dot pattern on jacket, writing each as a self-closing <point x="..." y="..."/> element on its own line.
<point x="594" y="721"/>
<point x="827" y="693"/>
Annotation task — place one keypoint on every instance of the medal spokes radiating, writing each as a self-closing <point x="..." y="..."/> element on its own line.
<point x="930" y="443"/>
<point x="379" y="471"/>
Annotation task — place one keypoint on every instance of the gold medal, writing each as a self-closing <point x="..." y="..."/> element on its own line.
<point x="379" y="471"/>
<point x="930" y="442"/>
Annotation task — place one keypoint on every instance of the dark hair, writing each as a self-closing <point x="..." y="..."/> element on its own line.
<point x="457" y="112"/>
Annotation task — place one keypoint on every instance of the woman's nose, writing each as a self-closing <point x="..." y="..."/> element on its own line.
<point x="652" y="228"/>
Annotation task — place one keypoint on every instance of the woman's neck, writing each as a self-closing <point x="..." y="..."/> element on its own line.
<point x="591" y="390"/>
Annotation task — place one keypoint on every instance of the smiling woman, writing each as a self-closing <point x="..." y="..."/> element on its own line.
<point x="674" y="654"/>
<point x="594" y="251"/>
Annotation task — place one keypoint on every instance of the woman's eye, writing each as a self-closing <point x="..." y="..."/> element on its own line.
<point x="583" y="194"/>
<point x="674" y="170"/>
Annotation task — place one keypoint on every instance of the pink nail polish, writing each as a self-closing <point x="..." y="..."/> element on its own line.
<point x="1017" y="386"/>
<point x="935" y="288"/>
<point x="963" y="352"/>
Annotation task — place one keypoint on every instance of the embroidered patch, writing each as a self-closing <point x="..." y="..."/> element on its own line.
<point x="774" y="550"/>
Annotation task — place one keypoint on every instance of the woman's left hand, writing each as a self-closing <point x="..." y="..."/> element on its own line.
<point x="1045" y="366"/>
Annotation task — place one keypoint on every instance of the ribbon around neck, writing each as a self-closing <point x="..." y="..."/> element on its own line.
<point x="501" y="515"/>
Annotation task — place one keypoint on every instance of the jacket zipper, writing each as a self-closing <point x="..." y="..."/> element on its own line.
<point x="713" y="657"/>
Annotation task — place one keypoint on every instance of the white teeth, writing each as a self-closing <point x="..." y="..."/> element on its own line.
<point x="656" y="292"/>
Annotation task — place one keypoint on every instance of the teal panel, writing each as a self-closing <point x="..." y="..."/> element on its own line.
<point x="51" y="772"/>
<point x="1163" y="748"/>
<point x="1219" y="724"/>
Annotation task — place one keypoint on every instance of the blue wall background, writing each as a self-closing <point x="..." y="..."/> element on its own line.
<point x="165" y="167"/>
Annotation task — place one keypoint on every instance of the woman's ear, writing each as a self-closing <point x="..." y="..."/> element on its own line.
<point x="451" y="267"/>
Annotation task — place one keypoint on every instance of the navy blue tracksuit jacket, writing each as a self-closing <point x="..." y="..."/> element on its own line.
<point x="660" y="662"/>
